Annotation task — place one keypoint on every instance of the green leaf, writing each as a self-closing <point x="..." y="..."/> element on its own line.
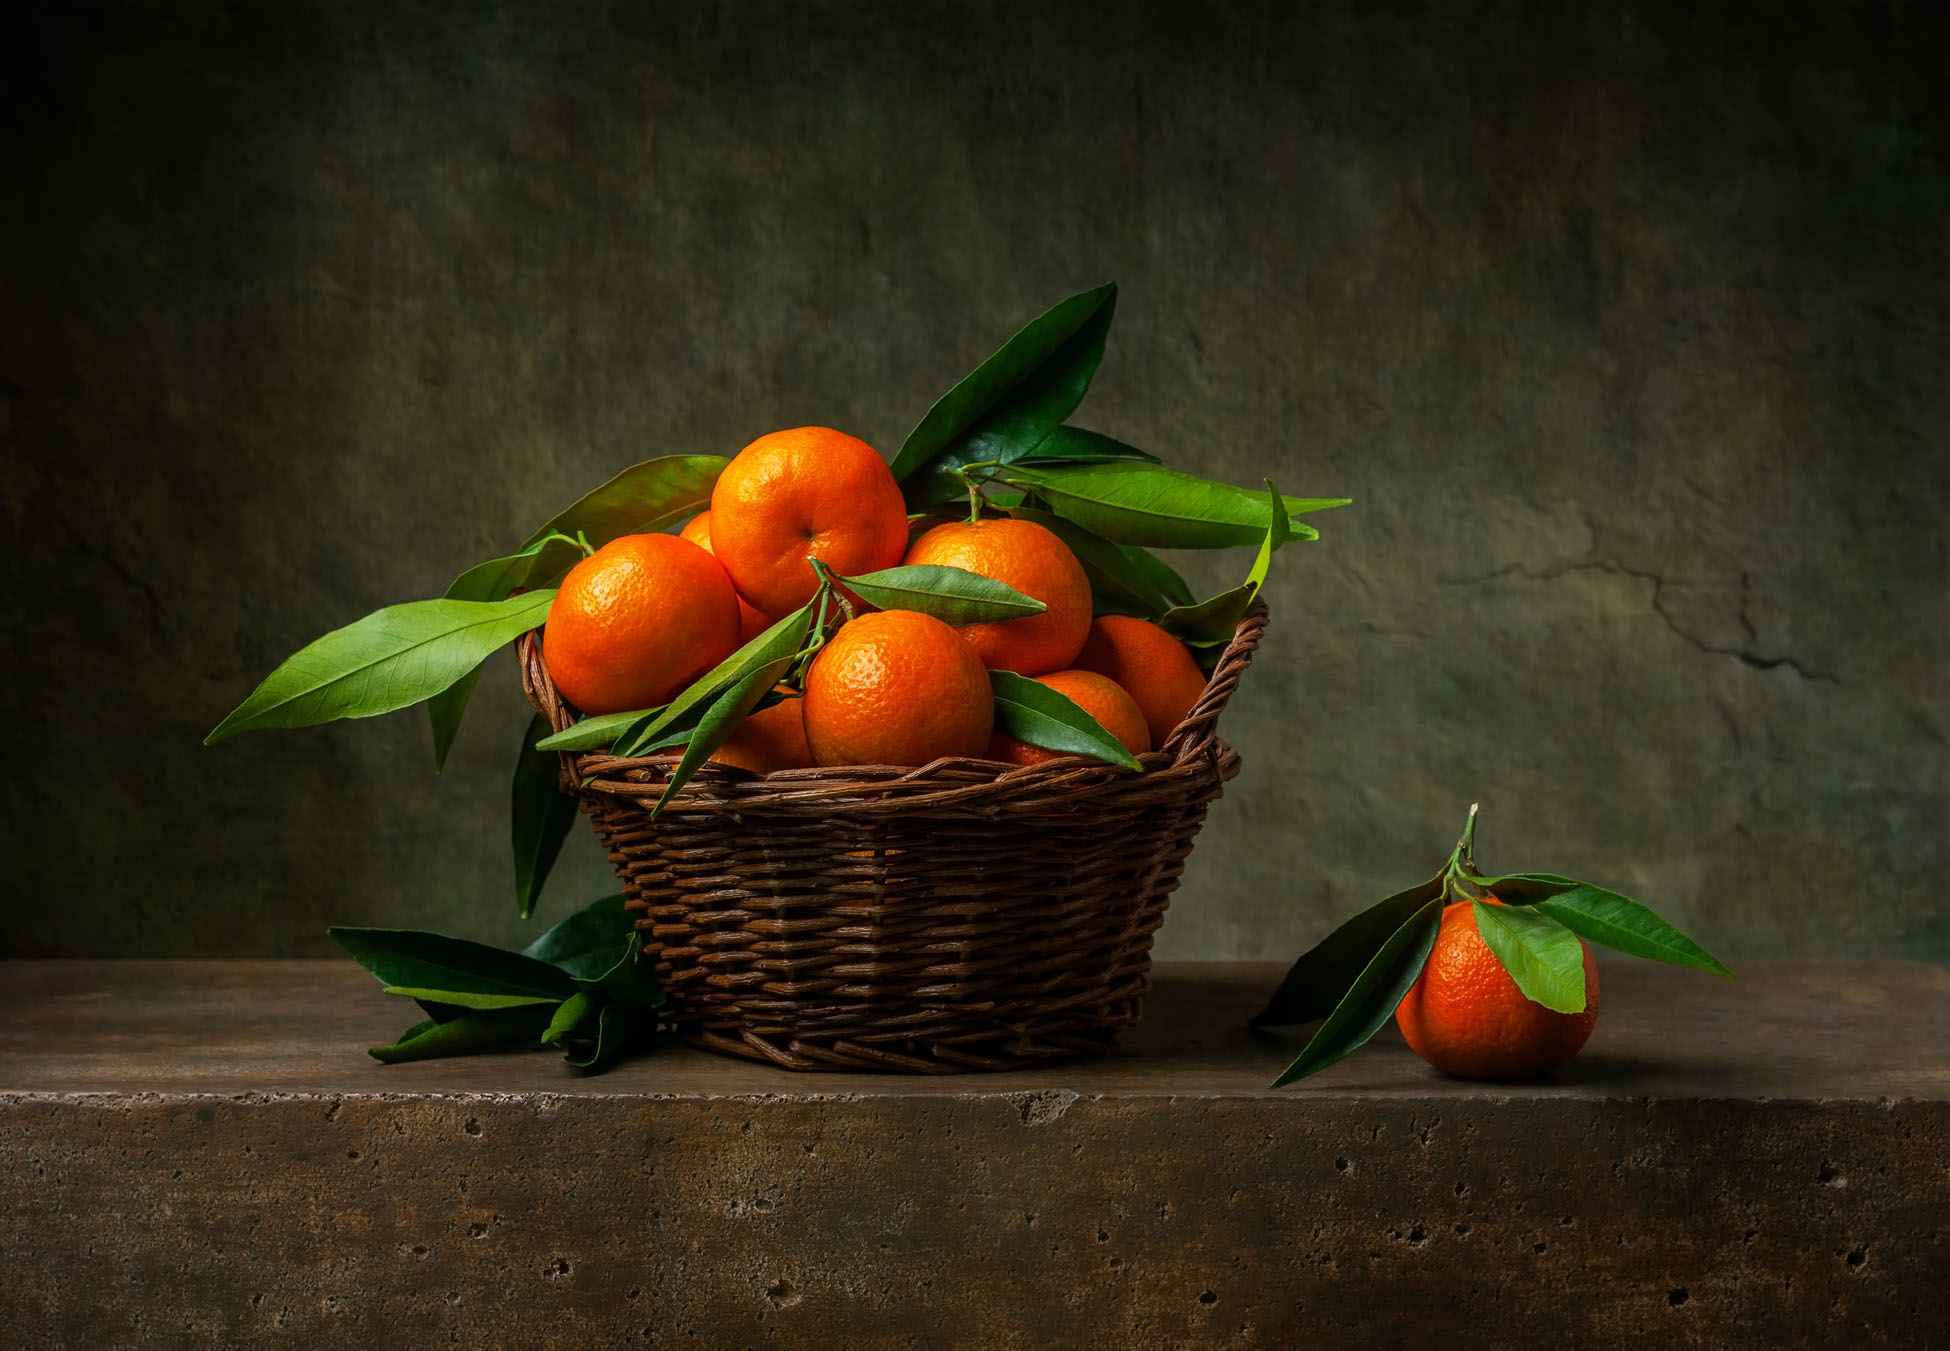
<point x="540" y="815"/>
<point x="391" y="658"/>
<point x="620" y="1029"/>
<point x="643" y="498"/>
<point x="606" y="729"/>
<point x="1324" y="974"/>
<point x="1160" y="573"/>
<point x="720" y="720"/>
<point x="1212" y="622"/>
<point x="1037" y="715"/>
<point x="1128" y="580"/>
<point x="1149" y="505"/>
<point x="1074" y="445"/>
<point x="785" y="638"/>
<point x="627" y="978"/>
<point x="444" y="712"/>
<point x="1009" y="404"/>
<point x="587" y="943"/>
<point x="1373" y="997"/>
<point x="484" y="1031"/>
<point x="462" y="999"/>
<point x="575" y="1016"/>
<point x="1605" y="917"/>
<point x="953" y="595"/>
<point x="1543" y="957"/>
<point x="415" y="960"/>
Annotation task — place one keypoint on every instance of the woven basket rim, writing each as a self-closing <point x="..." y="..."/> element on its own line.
<point x="1192" y="751"/>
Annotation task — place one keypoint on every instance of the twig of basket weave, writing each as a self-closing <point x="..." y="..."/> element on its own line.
<point x="959" y="915"/>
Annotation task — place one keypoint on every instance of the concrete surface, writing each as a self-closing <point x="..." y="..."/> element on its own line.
<point x="1624" y="323"/>
<point x="198" y="1154"/>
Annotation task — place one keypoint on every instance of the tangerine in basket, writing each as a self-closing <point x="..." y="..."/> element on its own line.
<point x="1153" y="667"/>
<point x="751" y="622"/>
<point x="1035" y="562"/>
<point x="1100" y="697"/>
<point x="897" y="687"/>
<point x="770" y="739"/>
<point x="636" y="621"/>
<point x="1466" y="1016"/>
<point x="805" y="491"/>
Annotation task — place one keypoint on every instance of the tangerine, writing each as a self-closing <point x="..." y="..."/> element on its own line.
<point x="772" y="738"/>
<point x="806" y="491"/>
<point x="636" y="621"/>
<point x="897" y="687"/>
<point x="1035" y="562"/>
<point x="1099" y="696"/>
<point x="1466" y="1016"/>
<point x="751" y="622"/>
<point x="1153" y="667"/>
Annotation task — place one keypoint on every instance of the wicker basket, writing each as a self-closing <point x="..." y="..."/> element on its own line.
<point x="960" y="916"/>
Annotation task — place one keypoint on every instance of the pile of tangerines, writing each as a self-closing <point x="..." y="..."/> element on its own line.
<point x="645" y="615"/>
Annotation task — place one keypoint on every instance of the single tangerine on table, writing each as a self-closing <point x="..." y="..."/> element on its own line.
<point x="897" y="687"/>
<point x="806" y="491"/>
<point x="1466" y="1016"/>
<point x="1035" y="562"/>
<point x="751" y="623"/>
<point x="1097" y="695"/>
<point x="1153" y="667"/>
<point x="636" y="621"/>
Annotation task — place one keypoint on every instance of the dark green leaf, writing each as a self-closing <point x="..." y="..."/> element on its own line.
<point x="1161" y="574"/>
<point x="1037" y="715"/>
<point x="643" y="498"/>
<point x="540" y="815"/>
<point x="1605" y="917"/>
<point x="1126" y="579"/>
<point x="1213" y="621"/>
<point x="620" y="1029"/>
<point x="465" y="1035"/>
<point x="785" y="638"/>
<point x="1373" y="997"/>
<point x="1074" y="445"/>
<point x="416" y="960"/>
<point x="952" y="595"/>
<point x="1009" y="404"/>
<point x="1327" y="971"/>
<point x="720" y="720"/>
<point x="391" y="658"/>
<point x="444" y="712"/>
<point x="1543" y="957"/>
<point x="1146" y="504"/>
<point x="464" y="999"/>
<point x="576" y="1016"/>
<point x="606" y="729"/>
<point x="587" y="943"/>
<point x="627" y="978"/>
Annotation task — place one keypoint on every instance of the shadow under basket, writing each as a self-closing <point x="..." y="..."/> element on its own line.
<point x="965" y="915"/>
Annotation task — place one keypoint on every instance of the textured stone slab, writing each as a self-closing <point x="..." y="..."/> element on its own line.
<point x="198" y="1153"/>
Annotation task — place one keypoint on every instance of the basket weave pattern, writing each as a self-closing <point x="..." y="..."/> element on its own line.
<point x="963" y="915"/>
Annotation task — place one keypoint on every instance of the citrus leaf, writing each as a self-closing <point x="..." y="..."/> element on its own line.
<point x="1009" y="405"/>
<point x="1146" y="504"/>
<point x="785" y="638"/>
<point x="1372" y="998"/>
<point x="643" y="498"/>
<point x="540" y="815"/>
<point x="575" y="1016"/>
<point x="1127" y="579"/>
<point x="444" y="712"/>
<point x="462" y="999"/>
<point x="588" y="942"/>
<point x="627" y="978"/>
<point x="605" y="729"/>
<point x="1543" y="957"/>
<point x="1037" y="715"/>
<point x="1075" y="445"/>
<point x="1605" y="917"/>
<point x="620" y="1029"/>
<point x="721" y="719"/>
<point x="391" y="658"/>
<point x="1324" y="973"/>
<point x="471" y="1032"/>
<point x="952" y="595"/>
<point x="413" y="959"/>
<point x="1212" y="622"/>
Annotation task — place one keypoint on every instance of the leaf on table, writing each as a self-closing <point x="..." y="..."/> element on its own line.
<point x="587" y="943"/>
<point x="1372" y="998"/>
<point x="464" y="999"/>
<point x="1324" y="974"/>
<point x="952" y="595"/>
<point x="1151" y="506"/>
<point x="1605" y="917"/>
<point x="540" y="815"/>
<point x="645" y="497"/>
<point x="1010" y="404"/>
<point x="575" y="1016"/>
<point x="1543" y="957"/>
<point x="1037" y="715"/>
<point x="627" y="978"/>
<point x="487" y="1030"/>
<point x="620" y="1029"/>
<point x="1211" y="623"/>
<point x="391" y="658"/>
<point x="416" y="960"/>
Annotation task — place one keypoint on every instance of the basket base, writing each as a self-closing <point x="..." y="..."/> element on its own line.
<point x="907" y="1057"/>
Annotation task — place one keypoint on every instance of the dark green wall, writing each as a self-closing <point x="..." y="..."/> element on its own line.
<point x="1625" y="324"/>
